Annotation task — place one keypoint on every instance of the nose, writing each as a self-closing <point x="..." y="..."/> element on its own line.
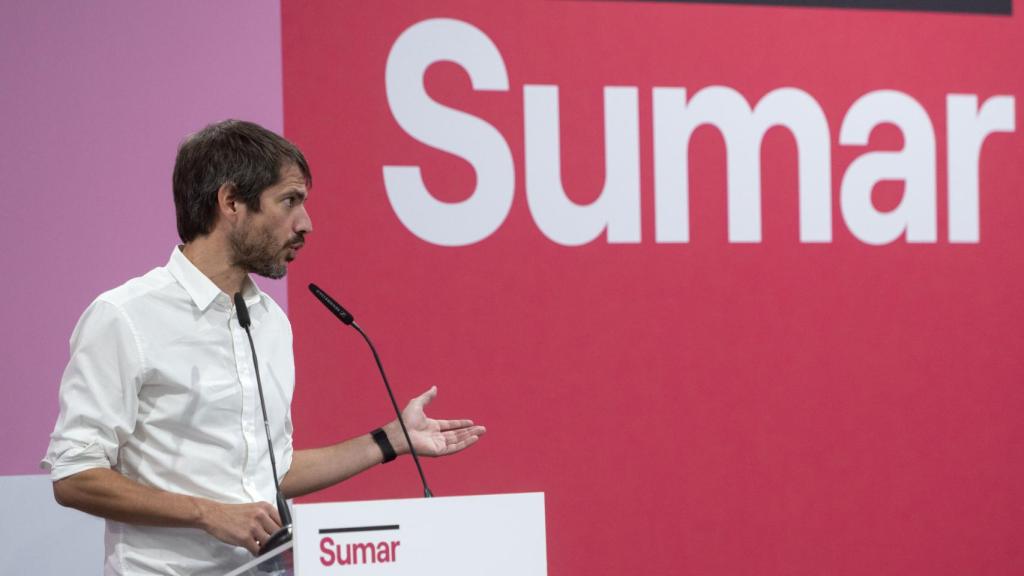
<point x="304" y="224"/>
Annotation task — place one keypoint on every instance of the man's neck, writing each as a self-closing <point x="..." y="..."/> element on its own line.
<point x="206" y="255"/>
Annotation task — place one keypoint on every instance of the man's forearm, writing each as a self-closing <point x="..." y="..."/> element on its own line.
<point x="312" y="470"/>
<point x="317" y="468"/>
<point x="106" y="493"/>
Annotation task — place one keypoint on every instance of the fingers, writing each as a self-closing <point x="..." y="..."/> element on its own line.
<point x="461" y="443"/>
<point x="460" y="439"/>
<point x="265" y="522"/>
<point x="463" y="433"/>
<point x="445" y="425"/>
<point x="274" y="514"/>
<point x="439" y="437"/>
<point x="253" y="546"/>
<point x="246" y="525"/>
<point x="270" y="520"/>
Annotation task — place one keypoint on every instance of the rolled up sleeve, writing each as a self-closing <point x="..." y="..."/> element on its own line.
<point x="98" y="393"/>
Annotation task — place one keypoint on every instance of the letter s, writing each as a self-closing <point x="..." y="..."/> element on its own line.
<point x="327" y="547"/>
<point x="450" y="130"/>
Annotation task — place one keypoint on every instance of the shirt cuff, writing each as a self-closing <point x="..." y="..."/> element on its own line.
<point x="74" y="460"/>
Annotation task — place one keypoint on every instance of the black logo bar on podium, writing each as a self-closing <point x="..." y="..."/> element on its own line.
<point x="359" y="529"/>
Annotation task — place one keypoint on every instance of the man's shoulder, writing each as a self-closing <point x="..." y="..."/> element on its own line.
<point x="126" y="304"/>
<point x="138" y="290"/>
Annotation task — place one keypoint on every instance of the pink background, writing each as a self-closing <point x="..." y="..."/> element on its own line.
<point x="95" y="98"/>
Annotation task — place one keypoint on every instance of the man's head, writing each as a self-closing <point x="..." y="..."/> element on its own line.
<point x="243" y="155"/>
<point x="255" y="177"/>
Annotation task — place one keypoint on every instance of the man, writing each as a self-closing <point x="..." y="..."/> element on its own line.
<point x="160" y="429"/>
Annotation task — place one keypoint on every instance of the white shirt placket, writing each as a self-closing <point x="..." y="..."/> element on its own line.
<point x="247" y="381"/>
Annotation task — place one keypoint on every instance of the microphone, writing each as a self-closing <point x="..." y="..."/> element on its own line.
<point x="347" y="319"/>
<point x="284" y="534"/>
<point x="342" y="314"/>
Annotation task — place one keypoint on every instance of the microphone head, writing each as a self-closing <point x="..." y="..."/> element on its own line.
<point x="333" y="306"/>
<point x="241" y="310"/>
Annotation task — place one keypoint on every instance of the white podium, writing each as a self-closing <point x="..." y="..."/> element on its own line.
<point x="498" y="535"/>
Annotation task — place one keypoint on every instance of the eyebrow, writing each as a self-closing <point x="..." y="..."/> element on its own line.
<point x="295" y="192"/>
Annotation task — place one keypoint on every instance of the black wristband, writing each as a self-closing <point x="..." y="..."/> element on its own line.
<point x="381" y="438"/>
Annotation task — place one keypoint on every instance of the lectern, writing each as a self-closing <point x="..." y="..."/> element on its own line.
<point x="496" y="535"/>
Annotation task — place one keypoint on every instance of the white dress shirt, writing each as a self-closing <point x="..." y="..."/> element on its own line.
<point x="161" y="388"/>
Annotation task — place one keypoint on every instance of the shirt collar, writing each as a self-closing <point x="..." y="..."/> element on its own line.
<point x="200" y="288"/>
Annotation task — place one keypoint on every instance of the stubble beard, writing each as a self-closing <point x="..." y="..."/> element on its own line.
<point x="255" y="251"/>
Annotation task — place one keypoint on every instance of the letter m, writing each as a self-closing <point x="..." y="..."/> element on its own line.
<point x="360" y="552"/>
<point x="743" y="130"/>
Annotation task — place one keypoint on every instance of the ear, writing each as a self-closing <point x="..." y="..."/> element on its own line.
<point x="228" y="203"/>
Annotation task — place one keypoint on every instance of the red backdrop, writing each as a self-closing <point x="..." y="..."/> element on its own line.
<point x="711" y="407"/>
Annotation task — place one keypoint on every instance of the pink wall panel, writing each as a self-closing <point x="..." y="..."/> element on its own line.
<point x="95" y="98"/>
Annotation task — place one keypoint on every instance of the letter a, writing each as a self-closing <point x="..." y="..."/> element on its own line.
<point x="915" y="165"/>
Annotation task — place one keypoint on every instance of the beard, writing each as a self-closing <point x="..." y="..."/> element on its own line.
<point x="255" y="250"/>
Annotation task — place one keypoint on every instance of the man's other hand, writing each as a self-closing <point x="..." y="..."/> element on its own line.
<point x="246" y="525"/>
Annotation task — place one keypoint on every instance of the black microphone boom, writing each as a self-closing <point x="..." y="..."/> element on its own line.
<point x="333" y="306"/>
<point x="284" y="534"/>
<point x="349" y="320"/>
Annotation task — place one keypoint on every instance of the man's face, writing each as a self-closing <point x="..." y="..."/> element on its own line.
<point x="265" y="242"/>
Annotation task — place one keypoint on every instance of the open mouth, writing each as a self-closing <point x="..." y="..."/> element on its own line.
<point x="292" y="250"/>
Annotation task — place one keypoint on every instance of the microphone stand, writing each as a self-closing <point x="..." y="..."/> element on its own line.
<point x="284" y="534"/>
<point x="401" y="421"/>
<point x="347" y="319"/>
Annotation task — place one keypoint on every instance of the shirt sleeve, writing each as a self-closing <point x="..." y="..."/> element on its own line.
<point x="98" y="393"/>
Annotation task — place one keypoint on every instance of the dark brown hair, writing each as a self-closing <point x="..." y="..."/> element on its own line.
<point x="245" y="155"/>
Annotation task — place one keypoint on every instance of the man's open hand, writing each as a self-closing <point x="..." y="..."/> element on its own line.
<point x="432" y="437"/>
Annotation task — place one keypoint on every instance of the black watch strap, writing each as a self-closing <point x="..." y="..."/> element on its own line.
<point x="381" y="438"/>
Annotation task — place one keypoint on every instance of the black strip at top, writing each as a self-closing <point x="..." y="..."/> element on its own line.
<point x="358" y="529"/>
<point x="1001" y="7"/>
